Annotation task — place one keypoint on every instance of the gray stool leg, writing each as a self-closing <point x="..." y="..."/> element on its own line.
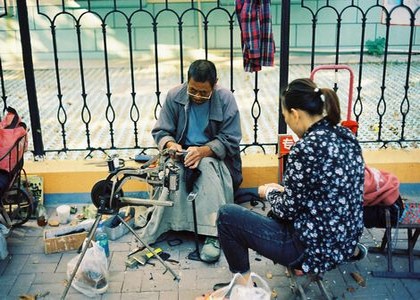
<point x="299" y="289"/>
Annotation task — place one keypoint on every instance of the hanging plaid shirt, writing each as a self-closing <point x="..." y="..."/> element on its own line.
<point x="258" y="48"/>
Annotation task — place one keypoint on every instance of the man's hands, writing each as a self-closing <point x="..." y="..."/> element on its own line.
<point x="194" y="154"/>
<point x="173" y="146"/>
<point x="263" y="189"/>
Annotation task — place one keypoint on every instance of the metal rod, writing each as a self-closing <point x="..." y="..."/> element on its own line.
<point x="86" y="245"/>
<point x="195" y="255"/>
<point x="30" y="78"/>
<point x="146" y="202"/>
<point x="149" y="248"/>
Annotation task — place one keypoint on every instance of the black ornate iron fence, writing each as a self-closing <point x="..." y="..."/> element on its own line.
<point x="107" y="65"/>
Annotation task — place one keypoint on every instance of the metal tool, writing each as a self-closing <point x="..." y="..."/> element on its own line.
<point x="195" y="255"/>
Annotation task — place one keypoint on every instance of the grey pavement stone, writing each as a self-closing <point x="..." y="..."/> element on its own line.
<point x="16" y="264"/>
<point x="45" y="278"/>
<point x="33" y="272"/>
<point x="279" y="281"/>
<point x="4" y="263"/>
<point x="116" y="276"/>
<point x="413" y="287"/>
<point x="115" y="287"/>
<point x="6" y="284"/>
<point x="397" y="290"/>
<point x="141" y="296"/>
<point x="42" y="258"/>
<point x="283" y="293"/>
<point x="111" y="296"/>
<point x="132" y="282"/>
<point x="77" y="296"/>
<point x="168" y="295"/>
<point x="65" y="258"/>
<point x="188" y="279"/>
<point x="25" y="245"/>
<point x="117" y="261"/>
<point x="120" y="246"/>
<point x="157" y="281"/>
<point x="9" y="298"/>
<point x="191" y="294"/>
<point x="378" y="292"/>
<point x="52" y="288"/>
<point x="22" y="284"/>
<point x="31" y="268"/>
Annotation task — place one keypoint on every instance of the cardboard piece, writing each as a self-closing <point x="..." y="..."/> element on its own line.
<point x="66" y="238"/>
<point x="64" y="243"/>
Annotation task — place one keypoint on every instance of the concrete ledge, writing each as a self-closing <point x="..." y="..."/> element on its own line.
<point x="66" y="177"/>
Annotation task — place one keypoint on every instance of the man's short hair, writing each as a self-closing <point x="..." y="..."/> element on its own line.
<point x="203" y="70"/>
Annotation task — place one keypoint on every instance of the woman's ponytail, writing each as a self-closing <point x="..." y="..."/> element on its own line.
<point x="331" y="105"/>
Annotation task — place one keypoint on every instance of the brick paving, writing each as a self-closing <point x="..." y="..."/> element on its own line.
<point x="27" y="270"/>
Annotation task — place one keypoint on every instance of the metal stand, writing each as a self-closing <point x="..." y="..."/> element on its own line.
<point x="86" y="244"/>
<point x="195" y="255"/>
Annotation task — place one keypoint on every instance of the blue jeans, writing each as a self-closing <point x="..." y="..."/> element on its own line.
<point x="240" y="229"/>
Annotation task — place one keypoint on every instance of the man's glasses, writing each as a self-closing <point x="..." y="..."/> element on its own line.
<point x="200" y="95"/>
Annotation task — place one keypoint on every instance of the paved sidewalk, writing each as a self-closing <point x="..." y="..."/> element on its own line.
<point x="27" y="270"/>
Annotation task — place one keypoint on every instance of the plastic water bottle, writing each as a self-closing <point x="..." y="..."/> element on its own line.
<point x="102" y="238"/>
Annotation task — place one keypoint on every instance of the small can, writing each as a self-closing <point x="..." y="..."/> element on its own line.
<point x="173" y="180"/>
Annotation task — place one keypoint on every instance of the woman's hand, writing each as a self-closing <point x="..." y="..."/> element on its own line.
<point x="262" y="189"/>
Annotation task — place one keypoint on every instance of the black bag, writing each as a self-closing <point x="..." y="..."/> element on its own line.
<point x="242" y="196"/>
<point x="374" y="216"/>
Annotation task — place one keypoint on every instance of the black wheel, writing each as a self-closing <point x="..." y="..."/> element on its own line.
<point x="102" y="189"/>
<point x="18" y="205"/>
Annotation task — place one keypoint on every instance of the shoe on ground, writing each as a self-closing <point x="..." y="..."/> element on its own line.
<point x="363" y="251"/>
<point x="211" y="250"/>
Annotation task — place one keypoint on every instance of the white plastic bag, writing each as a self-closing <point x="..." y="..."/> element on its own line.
<point x="4" y="231"/>
<point x="237" y="291"/>
<point x="91" y="278"/>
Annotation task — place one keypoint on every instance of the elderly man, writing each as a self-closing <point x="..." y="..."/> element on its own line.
<point x="200" y="121"/>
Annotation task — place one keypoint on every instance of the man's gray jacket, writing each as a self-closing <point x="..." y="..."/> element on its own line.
<point x="223" y="129"/>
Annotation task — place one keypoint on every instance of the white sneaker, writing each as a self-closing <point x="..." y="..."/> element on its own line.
<point x="211" y="250"/>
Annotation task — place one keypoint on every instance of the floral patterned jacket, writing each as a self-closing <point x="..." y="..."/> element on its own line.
<point x="323" y="195"/>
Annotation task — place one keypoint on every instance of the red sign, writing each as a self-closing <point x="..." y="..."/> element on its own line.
<point x="286" y="142"/>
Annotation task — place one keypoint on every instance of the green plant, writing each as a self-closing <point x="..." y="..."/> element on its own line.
<point x="376" y="47"/>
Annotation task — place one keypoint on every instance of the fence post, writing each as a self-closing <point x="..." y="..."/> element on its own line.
<point x="284" y="74"/>
<point x="284" y="57"/>
<point x="30" y="77"/>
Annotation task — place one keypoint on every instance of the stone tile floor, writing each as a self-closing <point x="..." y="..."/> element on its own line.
<point x="27" y="270"/>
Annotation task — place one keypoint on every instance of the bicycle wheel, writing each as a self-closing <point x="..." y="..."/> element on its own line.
<point x="18" y="205"/>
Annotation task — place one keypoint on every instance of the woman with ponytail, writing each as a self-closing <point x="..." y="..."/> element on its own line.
<point x="316" y="217"/>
